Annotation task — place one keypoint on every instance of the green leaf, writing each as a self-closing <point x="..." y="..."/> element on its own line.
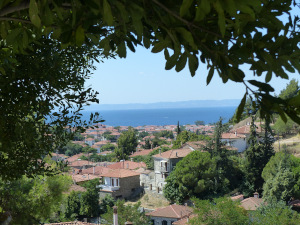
<point x="122" y="50"/>
<point x="262" y="86"/>
<point x="79" y="35"/>
<point x="210" y="75"/>
<point x="221" y="18"/>
<point x="171" y="62"/>
<point x="187" y="36"/>
<point x="33" y="13"/>
<point x="295" y="101"/>
<point x="241" y="107"/>
<point x="181" y="62"/>
<point x="186" y="4"/>
<point x="107" y="14"/>
<point x="268" y="76"/>
<point x="193" y="64"/>
<point x="158" y="47"/>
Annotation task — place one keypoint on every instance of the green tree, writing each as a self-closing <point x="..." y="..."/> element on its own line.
<point x="106" y="203"/>
<point x="275" y="213"/>
<point x="127" y="143"/>
<point x="147" y="144"/>
<point x="32" y="200"/>
<point x="126" y="213"/>
<point x="108" y="147"/>
<point x="254" y="163"/>
<point x="41" y="82"/>
<point x="195" y="175"/>
<point x="290" y="91"/>
<point x="72" y="206"/>
<point x="219" y="211"/>
<point x="283" y="127"/>
<point x="279" y="178"/>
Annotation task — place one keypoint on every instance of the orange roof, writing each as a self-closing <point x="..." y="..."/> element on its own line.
<point x="237" y="198"/>
<point x="74" y="157"/>
<point x="232" y="136"/>
<point x="98" y="170"/>
<point x="127" y="165"/>
<point x="143" y="152"/>
<point x="120" y="173"/>
<point x="172" y="211"/>
<point x="251" y="203"/>
<point x="81" y="163"/>
<point x="84" y="177"/>
<point x="174" y="153"/>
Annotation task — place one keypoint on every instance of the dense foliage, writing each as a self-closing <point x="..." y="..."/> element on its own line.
<point x="127" y="143"/>
<point x="219" y="211"/>
<point x="32" y="200"/>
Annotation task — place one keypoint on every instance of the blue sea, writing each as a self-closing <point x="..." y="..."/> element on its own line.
<point x="140" y="117"/>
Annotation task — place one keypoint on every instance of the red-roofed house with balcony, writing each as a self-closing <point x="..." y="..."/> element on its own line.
<point x="169" y="214"/>
<point x="120" y="184"/>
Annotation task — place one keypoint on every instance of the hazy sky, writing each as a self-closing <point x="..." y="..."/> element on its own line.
<point x="142" y="78"/>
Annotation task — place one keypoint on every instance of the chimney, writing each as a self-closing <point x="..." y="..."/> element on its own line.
<point x="127" y="165"/>
<point x="93" y="169"/>
<point x="256" y="195"/>
<point x="115" y="216"/>
<point x="176" y="154"/>
<point x="131" y="159"/>
<point x="160" y="151"/>
<point x="235" y="133"/>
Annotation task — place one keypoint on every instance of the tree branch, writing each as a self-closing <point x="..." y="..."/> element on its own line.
<point x="10" y="9"/>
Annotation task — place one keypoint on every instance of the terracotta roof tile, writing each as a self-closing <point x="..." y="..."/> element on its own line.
<point x="97" y="169"/>
<point x="127" y="165"/>
<point x="172" y="211"/>
<point x="251" y="203"/>
<point x="84" y="177"/>
<point x="174" y="153"/>
<point x="120" y="173"/>
<point x="233" y="136"/>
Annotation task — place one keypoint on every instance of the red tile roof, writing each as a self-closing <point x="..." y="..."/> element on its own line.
<point x="172" y="211"/>
<point x="233" y="136"/>
<point x="174" y="153"/>
<point x="251" y="203"/>
<point x="120" y="173"/>
<point x="74" y="157"/>
<point x="84" y="177"/>
<point x="81" y="163"/>
<point x="143" y="152"/>
<point x="98" y="170"/>
<point x="127" y="165"/>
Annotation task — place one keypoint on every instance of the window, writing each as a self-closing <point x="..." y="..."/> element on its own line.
<point x="164" y="222"/>
<point x="117" y="181"/>
<point x="112" y="182"/>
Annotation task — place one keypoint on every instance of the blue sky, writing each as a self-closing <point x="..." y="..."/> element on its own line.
<point x="142" y="78"/>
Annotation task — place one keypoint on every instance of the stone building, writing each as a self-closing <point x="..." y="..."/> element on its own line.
<point x="120" y="184"/>
<point x="164" y="164"/>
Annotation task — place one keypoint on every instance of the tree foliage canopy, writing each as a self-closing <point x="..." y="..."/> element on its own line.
<point x="44" y="62"/>
<point x="222" y="35"/>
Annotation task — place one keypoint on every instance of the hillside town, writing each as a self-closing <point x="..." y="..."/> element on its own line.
<point x="131" y="179"/>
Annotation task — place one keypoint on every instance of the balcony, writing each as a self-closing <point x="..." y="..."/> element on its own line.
<point x="109" y="188"/>
<point x="164" y="169"/>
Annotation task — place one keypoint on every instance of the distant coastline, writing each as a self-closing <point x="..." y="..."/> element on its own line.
<point x="166" y="105"/>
